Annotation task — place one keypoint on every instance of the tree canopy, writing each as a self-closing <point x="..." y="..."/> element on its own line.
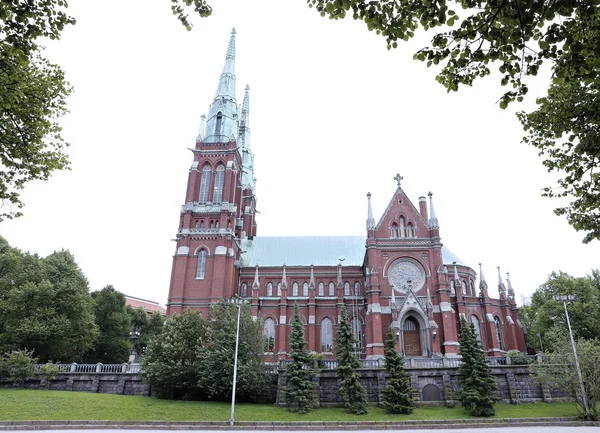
<point x="546" y="317"/>
<point x="45" y="305"/>
<point x="113" y="345"/>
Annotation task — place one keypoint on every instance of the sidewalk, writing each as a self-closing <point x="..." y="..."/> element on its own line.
<point x="299" y="425"/>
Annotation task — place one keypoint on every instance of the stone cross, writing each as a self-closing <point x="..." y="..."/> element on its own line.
<point x="398" y="179"/>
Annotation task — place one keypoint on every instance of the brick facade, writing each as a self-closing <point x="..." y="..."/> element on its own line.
<point x="398" y="274"/>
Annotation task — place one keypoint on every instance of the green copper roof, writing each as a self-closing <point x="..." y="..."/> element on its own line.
<point x="316" y="250"/>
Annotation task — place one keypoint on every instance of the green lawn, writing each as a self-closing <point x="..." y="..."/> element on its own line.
<point x="65" y="405"/>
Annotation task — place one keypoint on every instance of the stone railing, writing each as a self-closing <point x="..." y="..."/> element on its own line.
<point x="427" y="363"/>
<point x="94" y="368"/>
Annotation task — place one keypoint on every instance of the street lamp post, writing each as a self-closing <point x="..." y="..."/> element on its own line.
<point x="541" y="345"/>
<point x="238" y="303"/>
<point x="564" y="300"/>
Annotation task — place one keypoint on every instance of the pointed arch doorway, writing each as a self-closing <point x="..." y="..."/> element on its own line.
<point x="412" y="337"/>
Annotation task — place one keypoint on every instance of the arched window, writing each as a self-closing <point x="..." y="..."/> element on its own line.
<point x="201" y="269"/>
<point x="452" y="289"/>
<point x="269" y="335"/>
<point x="269" y="289"/>
<point x="305" y="289"/>
<point x="219" y="123"/>
<point x="295" y="289"/>
<point x="499" y="333"/>
<point x="202" y="224"/>
<point x="394" y="230"/>
<point x="278" y="289"/>
<point x="357" y="289"/>
<point x="475" y="322"/>
<point x="219" y="178"/>
<point x="196" y="226"/>
<point x="204" y="184"/>
<point x="346" y="288"/>
<point x="355" y="324"/>
<point x="410" y="231"/>
<point x="401" y="228"/>
<point x="331" y="289"/>
<point x="321" y="289"/>
<point x="472" y="284"/>
<point x="244" y="290"/>
<point x="326" y="335"/>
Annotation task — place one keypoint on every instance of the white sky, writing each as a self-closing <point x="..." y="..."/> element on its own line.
<point x="333" y="115"/>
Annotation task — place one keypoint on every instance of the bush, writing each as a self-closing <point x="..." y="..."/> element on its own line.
<point x="16" y="367"/>
<point x="517" y="358"/>
<point x="49" y="372"/>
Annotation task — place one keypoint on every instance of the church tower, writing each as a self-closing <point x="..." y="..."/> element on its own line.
<point x="220" y="201"/>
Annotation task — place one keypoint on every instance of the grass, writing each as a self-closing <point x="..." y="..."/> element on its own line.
<point x="65" y="405"/>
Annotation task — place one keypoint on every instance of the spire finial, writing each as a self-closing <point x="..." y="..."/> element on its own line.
<point x="511" y="291"/>
<point x="433" y="221"/>
<point x="398" y="179"/>
<point x="501" y="286"/>
<point x="370" y="219"/>
<point x="482" y="284"/>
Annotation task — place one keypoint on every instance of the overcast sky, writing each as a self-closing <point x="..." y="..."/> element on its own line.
<point x="333" y="115"/>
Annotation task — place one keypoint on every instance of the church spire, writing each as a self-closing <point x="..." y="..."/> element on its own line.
<point x="482" y="284"/>
<point x="433" y="221"/>
<point x="222" y="123"/>
<point x="244" y="143"/>
<point x="511" y="291"/>
<point x="501" y="286"/>
<point x="370" y="219"/>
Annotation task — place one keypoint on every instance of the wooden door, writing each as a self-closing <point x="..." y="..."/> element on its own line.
<point x="412" y="337"/>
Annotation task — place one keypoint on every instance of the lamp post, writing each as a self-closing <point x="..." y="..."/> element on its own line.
<point x="564" y="300"/>
<point x="238" y="303"/>
<point x="541" y="345"/>
<point x="134" y="335"/>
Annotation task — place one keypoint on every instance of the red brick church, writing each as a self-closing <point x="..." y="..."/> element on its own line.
<point x="398" y="273"/>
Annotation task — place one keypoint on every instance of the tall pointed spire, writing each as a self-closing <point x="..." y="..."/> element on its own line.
<point x="284" y="283"/>
<point x="482" y="284"/>
<point x="244" y="143"/>
<point x="222" y="122"/>
<point x="311" y="283"/>
<point x="501" y="286"/>
<point x="457" y="284"/>
<point x="256" y="284"/>
<point x="433" y="221"/>
<point x="511" y="291"/>
<point x="370" y="219"/>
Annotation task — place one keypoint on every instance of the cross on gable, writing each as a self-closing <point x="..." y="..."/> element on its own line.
<point x="398" y="178"/>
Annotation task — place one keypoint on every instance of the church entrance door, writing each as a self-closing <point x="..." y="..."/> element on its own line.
<point x="412" y="337"/>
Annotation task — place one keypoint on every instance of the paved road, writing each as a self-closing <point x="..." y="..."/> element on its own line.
<point x="465" y="430"/>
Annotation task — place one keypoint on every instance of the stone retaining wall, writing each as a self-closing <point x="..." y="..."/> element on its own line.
<point x="431" y="386"/>
<point x="435" y="386"/>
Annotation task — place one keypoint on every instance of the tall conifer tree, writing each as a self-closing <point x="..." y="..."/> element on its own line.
<point x="478" y="384"/>
<point x="352" y="392"/>
<point x="395" y="397"/>
<point x="299" y="386"/>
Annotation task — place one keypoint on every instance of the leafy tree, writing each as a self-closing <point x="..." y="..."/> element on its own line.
<point x="218" y="354"/>
<point x="547" y="316"/>
<point x="559" y="372"/>
<point x="352" y="392"/>
<point x="172" y="361"/>
<point x="147" y="326"/>
<point x="299" y="386"/>
<point x="17" y="366"/>
<point x="395" y="397"/>
<point x="33" y="95"/>
<point x="113" y="344"/>
<point x="478" y="384"/>
<point x="45" y="305"/>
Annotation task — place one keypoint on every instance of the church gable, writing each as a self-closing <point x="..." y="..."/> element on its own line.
<point x="401" y="218"/>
